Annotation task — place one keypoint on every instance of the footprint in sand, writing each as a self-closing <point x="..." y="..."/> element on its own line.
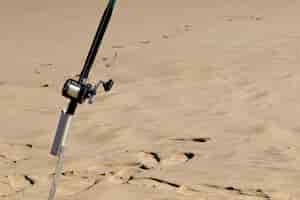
<point x="43" y="67"/>
<point x="46" y="65"/>
<point x="188" y="27"/>
<point x="250" y="193"/>
<point x="148" y="160"/>
<point x="46" y="85"/>
<point x="178" y="158"/>
<point x="162" y="184"/>
<point x="5" y="188"/>
<point x="243" y="18"/>
<point x="178" y="32"/>
<point x="133" y="44"/>
<point x="74" y="182"/>
<point x="118" y="46"/>
<point x="2" y="83"/>
<point x="123" y="176"/>
<point x="20" y="182"/>
<point x="13" y="153"/>
<point x="154" y="183"/>
<point x="37" y="71"/>
<point x="29" y="146"/>
<point x="109" y="62"/>
<point x="68" y="173"/>
<point x="196" y="139"/>
<point x="258" y="94"/>
<point x="11" y="186"/>
<point x="145" y="42"/>
<point x="165" y="36"/>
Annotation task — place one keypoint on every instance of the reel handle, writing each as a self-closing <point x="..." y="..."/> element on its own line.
<point x="107" y="85"/>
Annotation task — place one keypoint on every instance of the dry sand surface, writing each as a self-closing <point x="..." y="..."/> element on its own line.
<point x="205" y="106"/>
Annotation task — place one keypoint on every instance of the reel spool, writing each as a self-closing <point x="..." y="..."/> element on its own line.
<point x="79" y="92"/>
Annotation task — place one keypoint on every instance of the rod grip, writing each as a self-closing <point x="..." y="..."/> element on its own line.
<point x="61" y="133"/>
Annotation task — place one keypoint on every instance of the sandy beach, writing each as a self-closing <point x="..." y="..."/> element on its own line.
<point x="205" y="104"/>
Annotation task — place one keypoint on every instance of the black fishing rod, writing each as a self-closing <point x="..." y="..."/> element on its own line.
<point x="78" y="91"/>
<point x="97" y="41"/>
<point x="89" y="63"/>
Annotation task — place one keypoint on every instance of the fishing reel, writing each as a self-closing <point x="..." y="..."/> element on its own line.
<point x="79" y="92"/>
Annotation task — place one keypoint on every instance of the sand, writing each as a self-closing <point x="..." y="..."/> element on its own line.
<point x="205" y="104"/>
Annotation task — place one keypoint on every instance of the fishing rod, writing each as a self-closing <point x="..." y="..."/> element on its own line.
<point x="78" y="91"/>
